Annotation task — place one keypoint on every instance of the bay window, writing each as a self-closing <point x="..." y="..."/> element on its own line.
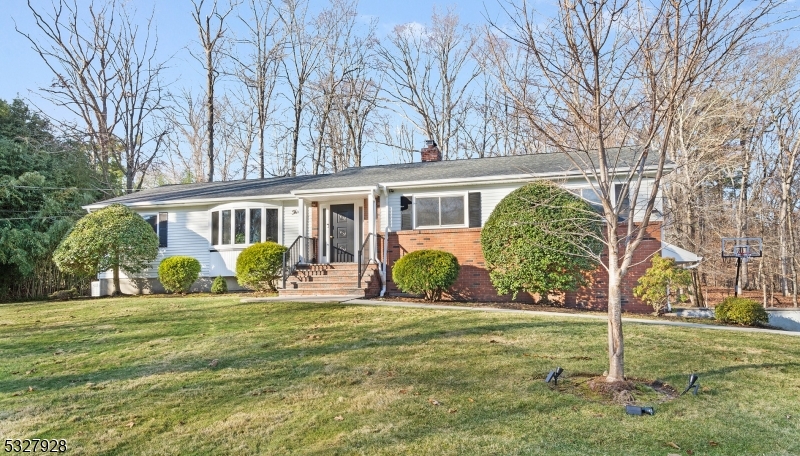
<point x="243" y="226"/>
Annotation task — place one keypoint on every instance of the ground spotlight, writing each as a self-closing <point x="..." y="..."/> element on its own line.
<point x="692" y="385"/>
<point x="634" y="410"/>
<point x="553" y="375"/>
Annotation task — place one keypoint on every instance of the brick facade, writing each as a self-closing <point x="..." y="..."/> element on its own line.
<point x="473" y="283"/>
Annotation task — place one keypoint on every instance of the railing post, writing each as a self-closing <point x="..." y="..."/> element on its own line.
<point x="283" y="272"/>
<point x="360" y="254"/>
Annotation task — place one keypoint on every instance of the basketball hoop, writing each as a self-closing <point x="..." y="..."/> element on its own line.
<point x="743" y="249"/>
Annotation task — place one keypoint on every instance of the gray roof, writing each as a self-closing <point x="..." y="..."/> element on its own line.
<point x="374" y="175"/>
<point x="210" y="190"/>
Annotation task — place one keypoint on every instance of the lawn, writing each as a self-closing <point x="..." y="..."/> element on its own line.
<point x="212" y="375"/>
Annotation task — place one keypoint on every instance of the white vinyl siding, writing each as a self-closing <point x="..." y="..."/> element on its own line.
<point x="189" y="230"/>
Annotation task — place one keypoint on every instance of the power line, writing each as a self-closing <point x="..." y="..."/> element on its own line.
<point x="60" y="188"/>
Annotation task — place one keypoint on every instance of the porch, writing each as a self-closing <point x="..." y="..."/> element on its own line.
<point x="338" y="252"/>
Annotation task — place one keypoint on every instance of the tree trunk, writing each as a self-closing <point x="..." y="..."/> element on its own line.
<point x="210" y="107"/>
<point x="117" y="288"/>
<point x="616" y="356"/>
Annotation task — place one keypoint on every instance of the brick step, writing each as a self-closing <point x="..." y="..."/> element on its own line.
<point x="332" y="273"/>
<point x="327" y="292"/>
<point x="330" y="278"/>
<point x="325" y="285"/>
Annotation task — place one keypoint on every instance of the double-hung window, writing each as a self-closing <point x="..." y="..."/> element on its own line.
<point x="243" y="226"/>
<point x="439" y="211"/>
<point x="159" y="224"/>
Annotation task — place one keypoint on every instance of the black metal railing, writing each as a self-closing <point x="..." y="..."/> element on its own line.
<point x="340" y="255"/>
<point x="361" y="258"/>
<point x="294" y="254"/>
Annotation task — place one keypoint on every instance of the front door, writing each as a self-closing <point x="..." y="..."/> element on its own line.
<point x="342" y="233"/>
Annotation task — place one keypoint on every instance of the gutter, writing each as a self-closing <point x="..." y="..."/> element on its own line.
<point x="382" y="268"/>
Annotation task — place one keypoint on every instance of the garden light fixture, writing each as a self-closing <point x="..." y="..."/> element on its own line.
<point x="634" y="410"/>
<point x="553" y="375"/>
<point x="692" y="386"/>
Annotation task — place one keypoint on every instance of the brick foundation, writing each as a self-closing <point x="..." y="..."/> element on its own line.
<point x="473" y="283"/>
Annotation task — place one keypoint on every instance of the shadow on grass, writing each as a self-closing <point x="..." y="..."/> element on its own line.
<point x="277" y="352"/>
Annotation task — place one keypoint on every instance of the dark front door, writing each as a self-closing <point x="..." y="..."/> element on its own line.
<point x="342" y="233"/>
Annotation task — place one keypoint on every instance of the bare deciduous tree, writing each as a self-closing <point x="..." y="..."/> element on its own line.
<point x="106" y="72"/>
<point x="258" y="69"/>
<point x="429" y="72"/>
<point x="613" y="73"/>
<point x="212" y="32"/>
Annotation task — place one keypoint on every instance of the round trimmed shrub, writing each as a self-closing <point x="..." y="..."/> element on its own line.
<point x="426" y="272"/>
<point x="178" y="273"/>
<point x="219" y="286"/>
<point x="259" y="266"/>
<point x="541" y="239"/>
<point x="741" y="311"/>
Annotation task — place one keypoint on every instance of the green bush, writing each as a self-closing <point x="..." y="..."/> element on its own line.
<point x="178" y="273"/>
<point x="741" y="311"/>
<point x="653" y="285"/>
<point x="259" y="266"/>
<point x="219" y="286"/>
<point x="541" y="239"/>
<point x="427" y="272"/>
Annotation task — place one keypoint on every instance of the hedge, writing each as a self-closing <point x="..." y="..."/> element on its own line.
<point x="258" y="266"/>
<point x="427" y="272"/>
<point x="178" y="273"/>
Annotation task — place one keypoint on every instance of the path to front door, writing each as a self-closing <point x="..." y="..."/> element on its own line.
<point x="342" y="233"/>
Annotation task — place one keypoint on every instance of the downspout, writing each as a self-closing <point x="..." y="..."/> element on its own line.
<point x="382" y="268"/>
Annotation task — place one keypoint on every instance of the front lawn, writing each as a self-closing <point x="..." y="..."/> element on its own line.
<point x="211" y="375"/>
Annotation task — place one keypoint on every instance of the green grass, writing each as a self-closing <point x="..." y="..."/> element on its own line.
<point x="286" y="371"/>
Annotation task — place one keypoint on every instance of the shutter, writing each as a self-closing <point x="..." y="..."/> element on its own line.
<point x="474" y="210"/>
<point x="271" y="224"/>
<point x="406" y="213"/>
<point x="162" y="229"/>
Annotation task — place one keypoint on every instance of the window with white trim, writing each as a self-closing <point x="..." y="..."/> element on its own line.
<point x="159" y="224"/>
<point x="440" y="211"/>
<point x="243" y="226"/>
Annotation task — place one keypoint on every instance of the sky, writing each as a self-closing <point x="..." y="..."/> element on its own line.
<point x="23" y="72"/>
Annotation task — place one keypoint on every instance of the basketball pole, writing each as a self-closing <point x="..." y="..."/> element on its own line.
<point x="736" y="283"/>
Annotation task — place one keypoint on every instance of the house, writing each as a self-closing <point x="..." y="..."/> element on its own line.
<point x="345" y="230"/>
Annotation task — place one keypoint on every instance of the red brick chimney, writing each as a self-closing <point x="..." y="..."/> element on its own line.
<point x="431" y="152"/>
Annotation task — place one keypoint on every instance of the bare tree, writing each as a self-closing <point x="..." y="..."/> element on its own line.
<point x="341" y="91"/>
<point x="107" y="73"/>
<point x="304" y="45"/>
<point x="142" y="102"/>
<point x="607" y="74"/>
<point x="211" y="29"/>
<point x="187" y="141"/>
<point x="784" y="139"/>
<point x="258" y="68"/>
<point x="429" y="71"/>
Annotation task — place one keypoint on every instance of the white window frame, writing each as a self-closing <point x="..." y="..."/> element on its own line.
<point x="463" y="224"/>
<point x="158" y="225"/>
<point x="246" y="207"/>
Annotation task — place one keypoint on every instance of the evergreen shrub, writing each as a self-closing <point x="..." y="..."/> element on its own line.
<point x="741" y="311"/>
<point x="259" y="266"/>
<point x="426" y="272"/>
<point x="178" y="273"/>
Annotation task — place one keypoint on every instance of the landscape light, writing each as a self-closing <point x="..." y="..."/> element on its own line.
<point x="553" y="375"/>
<point x="634" y="410"/>
<point x="692" y="386"/>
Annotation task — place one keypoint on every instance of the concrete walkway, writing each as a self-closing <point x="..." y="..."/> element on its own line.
<point x="371" y="302"/>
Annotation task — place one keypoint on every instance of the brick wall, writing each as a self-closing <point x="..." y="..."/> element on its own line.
<point x="473" y="283"/>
